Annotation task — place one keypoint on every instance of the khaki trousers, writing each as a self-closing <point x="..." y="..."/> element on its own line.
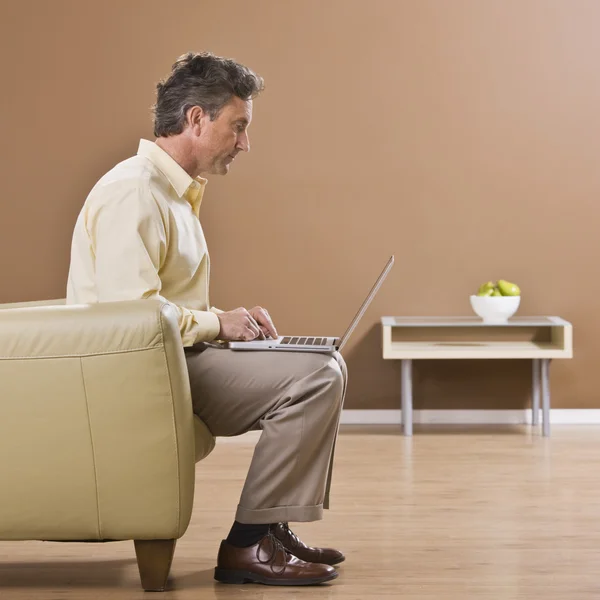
<point x="296" y="399"/>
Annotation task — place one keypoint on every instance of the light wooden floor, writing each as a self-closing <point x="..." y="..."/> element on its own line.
<point x="451" y="514"/>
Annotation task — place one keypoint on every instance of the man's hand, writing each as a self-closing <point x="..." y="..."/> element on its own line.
<point x="263" y="319"/>
<point x="238" y="324"/>
<point x="244" y="325"/>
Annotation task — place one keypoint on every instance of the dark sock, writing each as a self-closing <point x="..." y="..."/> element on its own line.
<point x="243" y="535"/>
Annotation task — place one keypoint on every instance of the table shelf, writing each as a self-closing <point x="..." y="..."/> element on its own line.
<point x="474" y="350"/>
<point x="539" y="339"/>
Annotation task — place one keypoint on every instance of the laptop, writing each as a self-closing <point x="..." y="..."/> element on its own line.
<point x="307" y="343"/>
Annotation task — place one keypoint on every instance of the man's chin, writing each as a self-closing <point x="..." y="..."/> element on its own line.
<point x="221" y="169"/>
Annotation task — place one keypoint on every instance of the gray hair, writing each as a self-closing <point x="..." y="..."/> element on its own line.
<point x="200" y="79"/>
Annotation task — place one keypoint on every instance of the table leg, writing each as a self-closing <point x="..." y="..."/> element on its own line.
<point x="535" y="396"/>
<point x="545" y="397"/>
<point x="407" y="417"/>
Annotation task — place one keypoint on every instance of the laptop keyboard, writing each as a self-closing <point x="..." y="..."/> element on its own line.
<point x="305" y="341"/>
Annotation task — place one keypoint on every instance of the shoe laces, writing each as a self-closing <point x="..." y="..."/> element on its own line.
<point x="294" y="540"/>
<point x="277" y="548"/>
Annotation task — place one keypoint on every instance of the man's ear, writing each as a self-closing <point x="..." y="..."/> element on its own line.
<point x="195" y="118"/>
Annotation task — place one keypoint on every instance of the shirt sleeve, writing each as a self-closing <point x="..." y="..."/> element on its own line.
<point x="129" y="239"/>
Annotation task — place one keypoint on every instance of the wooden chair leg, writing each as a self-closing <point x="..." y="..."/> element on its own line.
<point x="154" y="558"/>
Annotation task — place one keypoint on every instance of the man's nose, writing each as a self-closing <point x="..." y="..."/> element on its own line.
<point x="243" y="142"/>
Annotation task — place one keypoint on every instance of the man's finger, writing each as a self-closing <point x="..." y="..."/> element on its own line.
<point x="255" y="326"/>
<point x="271" y="328"/>
<point x="265" y="321"/>
<point x="250" y="333"/>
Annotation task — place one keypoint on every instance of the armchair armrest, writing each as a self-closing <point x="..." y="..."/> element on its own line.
<point x="96" y="422"/>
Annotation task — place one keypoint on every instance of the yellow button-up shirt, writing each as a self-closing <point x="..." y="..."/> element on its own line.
<point x="138" y="235"/>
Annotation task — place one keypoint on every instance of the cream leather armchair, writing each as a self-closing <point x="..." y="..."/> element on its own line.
<point x="98" y="441"/>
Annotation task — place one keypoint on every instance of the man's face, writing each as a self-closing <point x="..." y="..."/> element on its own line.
<point x="219" y="141"/>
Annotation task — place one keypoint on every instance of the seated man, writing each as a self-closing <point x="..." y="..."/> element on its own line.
<point x="138" y="235"/>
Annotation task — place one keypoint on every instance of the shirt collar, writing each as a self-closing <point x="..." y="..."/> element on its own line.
<point x="183" y="183"/>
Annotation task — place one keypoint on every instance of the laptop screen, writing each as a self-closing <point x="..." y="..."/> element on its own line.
<point x="367" y="301"/>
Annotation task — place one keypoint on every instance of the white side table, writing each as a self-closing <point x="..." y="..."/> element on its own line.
<point x="539" y="339"/>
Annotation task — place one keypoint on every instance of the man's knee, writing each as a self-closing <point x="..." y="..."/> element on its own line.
<point x="335" y="374"/>
<point x="342" y="364"/>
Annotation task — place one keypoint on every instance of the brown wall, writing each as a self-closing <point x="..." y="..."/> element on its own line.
<point x="461" y="136"/>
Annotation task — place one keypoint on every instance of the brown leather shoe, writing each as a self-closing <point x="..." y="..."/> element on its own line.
<point x="293" y="544"/>
<point x="267" y="562"/>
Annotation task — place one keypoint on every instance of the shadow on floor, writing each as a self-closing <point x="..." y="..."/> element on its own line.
<point x="65" y="574"/>
<point x="204" y="579"/>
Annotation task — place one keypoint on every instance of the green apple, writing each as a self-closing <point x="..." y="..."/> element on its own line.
<point x="507" y="288"/>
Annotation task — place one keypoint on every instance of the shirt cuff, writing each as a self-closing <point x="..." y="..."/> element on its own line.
<point x="209" y="324"/>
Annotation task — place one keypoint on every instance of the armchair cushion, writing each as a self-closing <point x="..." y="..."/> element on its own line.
<point x="97" y="435"/>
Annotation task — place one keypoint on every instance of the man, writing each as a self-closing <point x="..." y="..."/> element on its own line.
<point x="139" y="236"/>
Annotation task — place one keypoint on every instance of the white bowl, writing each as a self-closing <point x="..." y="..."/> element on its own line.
<point x="495" y="309"/>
